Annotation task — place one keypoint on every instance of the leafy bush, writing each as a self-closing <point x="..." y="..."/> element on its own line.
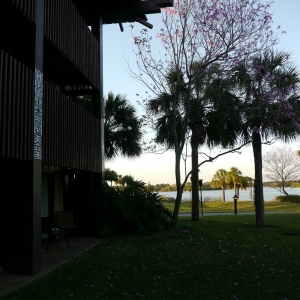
<point x="290" y="198"/>
<point x="167" y="199"/>
<point x="132" y="209"/>
<point x="207" y="199"/>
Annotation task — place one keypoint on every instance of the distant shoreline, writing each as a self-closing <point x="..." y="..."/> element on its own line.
<point x="211" y="195"/>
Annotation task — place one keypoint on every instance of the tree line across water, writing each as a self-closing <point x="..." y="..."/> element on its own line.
<point x="207" y="186"/>
<point x="222" y="179"/>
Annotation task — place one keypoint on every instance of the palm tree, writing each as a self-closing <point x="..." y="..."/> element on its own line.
<point x="127" y="180"/>
<point x="247" y="182"/>
<point x="234" y="178"/>
<point x="119" y="180"/>
<point x="122" y="128"/>
<point x="268" y="87"/>
<point x="169" y="111"/>
<point x="169" y="123"/>
<point x="219" y="180"/>
<point x="110" y="175"/>
<point x="210" y="95"/>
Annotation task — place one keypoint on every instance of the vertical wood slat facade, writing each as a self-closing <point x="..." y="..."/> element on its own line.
<point x="27" y="7"/>
<point x="16" y="108"/>
<point x="70" y="134"/>
<point x="67" y="31"/>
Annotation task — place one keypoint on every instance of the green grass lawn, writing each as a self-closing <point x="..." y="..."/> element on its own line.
<point x="220" y="257"/>
<point x="242" y="206"/>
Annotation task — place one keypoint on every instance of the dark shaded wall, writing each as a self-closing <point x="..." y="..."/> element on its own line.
<point x="20" y="236"/>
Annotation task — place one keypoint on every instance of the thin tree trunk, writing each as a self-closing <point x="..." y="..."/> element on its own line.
<point x="285" y="192"/>
<point x="195" y="180"/>
<point x="258" y="183"/>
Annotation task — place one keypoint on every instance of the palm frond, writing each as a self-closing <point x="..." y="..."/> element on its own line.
<point x="122" y="128"/>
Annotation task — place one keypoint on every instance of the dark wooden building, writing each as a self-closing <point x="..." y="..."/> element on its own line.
<point x="51" y="149"/>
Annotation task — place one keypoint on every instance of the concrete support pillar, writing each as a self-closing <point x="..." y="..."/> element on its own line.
<point x="98" y="112"/>
<point x="23" y="183"/>
<point x="97" y="98"/>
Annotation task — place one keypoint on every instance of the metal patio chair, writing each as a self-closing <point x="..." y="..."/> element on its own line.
<point x="52" y="234"/>
<point x="65" y="222"/>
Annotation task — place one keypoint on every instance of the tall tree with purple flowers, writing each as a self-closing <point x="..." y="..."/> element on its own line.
<point x="223" y="32"/>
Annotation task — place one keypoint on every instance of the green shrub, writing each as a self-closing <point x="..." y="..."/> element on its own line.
<point x="167" y="199"/>
<point x="290" y="198"/>
<point x="133" y="210"/>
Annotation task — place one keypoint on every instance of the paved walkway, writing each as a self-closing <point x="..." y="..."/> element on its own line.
<point x="54" y="258"/>
<point x="206" y="214"/>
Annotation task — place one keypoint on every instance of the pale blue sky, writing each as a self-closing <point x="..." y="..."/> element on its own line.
<point x="159" y="168"/>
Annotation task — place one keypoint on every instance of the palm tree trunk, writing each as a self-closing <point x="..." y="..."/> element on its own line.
<point x="258" y="183"/>
<point x="195" y="180"/>
<point x="179" y="190"/>
<point x="223" y="193"/>
<point x="250" y="193"/>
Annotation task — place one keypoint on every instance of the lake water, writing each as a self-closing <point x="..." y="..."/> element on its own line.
<point x="269" y="194"/>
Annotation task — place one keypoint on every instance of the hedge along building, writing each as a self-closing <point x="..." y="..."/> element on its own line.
<point x="52" y="150"/>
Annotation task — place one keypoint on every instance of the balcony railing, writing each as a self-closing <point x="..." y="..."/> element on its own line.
<point x="26" y="7"/>
<point x="16" y="108"/>
<point x="67" y="31"/>
<point x="71" y="136"/>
